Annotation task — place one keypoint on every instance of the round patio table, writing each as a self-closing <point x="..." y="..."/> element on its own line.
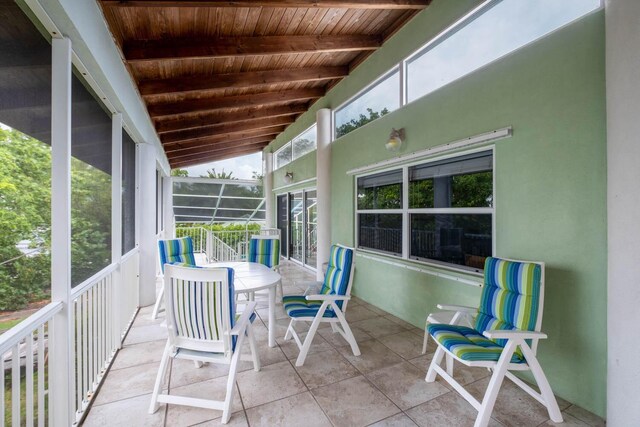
<point x="250" y="277"/>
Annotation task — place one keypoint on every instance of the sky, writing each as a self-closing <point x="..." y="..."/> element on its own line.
<point x="242" y="167"/>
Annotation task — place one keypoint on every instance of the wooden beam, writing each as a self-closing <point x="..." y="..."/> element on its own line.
<point x="218" y="117"/>
<point x="237" y="101"/>
<point x="198" y="159"/>
<point x="320" y="4"/>
<point x="272" y="132"/>
<point x="194" y="83"/>
<point x="220" y="145"/>
<point x="225" y="47"/>
<point x="214" y="149"/>
<point x="225" y="128"/>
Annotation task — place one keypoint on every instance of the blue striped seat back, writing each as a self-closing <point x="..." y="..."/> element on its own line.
<point x="176" y="251"/>
<point x="199" y="309"/>
<point x="265" y="251"/>
<point x="510" y="297"/>
<point x="338" y="273"/>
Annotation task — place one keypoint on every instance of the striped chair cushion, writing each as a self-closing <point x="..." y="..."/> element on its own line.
<point x="176" y="251"/>
<point x="468" y="344"/>
<point x="298" y="306"/>
<point x="265" y="251"/>
<point x="338" y="272"/>
<point x="510" y="296"/>
<point x="198" y="310"/>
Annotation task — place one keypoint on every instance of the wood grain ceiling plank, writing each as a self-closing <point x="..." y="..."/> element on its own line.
<point x="342" y="4"/>
<point x="197" y="160"/>
<point x="250" y="100"/>
<point x="172" y="146"/>
<point x="219" y="146"/>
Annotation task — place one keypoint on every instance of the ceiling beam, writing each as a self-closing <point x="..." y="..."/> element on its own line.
<point x="218" y="145"/>
<point x="225" y="47"/>
<point x="270" y="132"/>
<point x="218" y="117"/>
<point x="225" y="128"/>
<point x="321" y="4"/>
<point x="237" y="101"/>
<point x="214" y="149"/>
<point x="210" y="158"/>
<point x="194" y="83"/>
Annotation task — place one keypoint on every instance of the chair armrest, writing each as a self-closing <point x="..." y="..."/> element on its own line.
<point x="243" y="321"/>
<point x="498" y="334"/>
<point x="312" y="287"/>
<point x="460" y="308"/>
<point x="327" y="297"/>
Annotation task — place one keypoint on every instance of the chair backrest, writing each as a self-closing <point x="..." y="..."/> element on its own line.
<point x="265" y="250"/>
<point x="176" y="251"/>
<point x="339" y="277"/>
<point x="512" y="296"/>
<point x="200" y="308"/>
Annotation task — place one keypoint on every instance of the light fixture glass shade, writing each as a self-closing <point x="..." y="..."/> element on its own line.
<point x="288" y="177"/>
<point x="395" y="140"/>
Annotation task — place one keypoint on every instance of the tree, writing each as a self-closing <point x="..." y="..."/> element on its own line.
<point x="179" y="172"/>
<point x="353" y="124"/>
<point x="211" y="173"/>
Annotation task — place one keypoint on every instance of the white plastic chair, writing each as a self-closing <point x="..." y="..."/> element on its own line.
<point x="202" y="326"/>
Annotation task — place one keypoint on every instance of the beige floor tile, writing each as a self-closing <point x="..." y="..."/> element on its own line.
<point x="237" y="419"/>
<point x="359" y="312"/>
<point x="422" y="362"/>
<point x="379" y="327"/>
<point x="184" y="372"/>
<point x="324" y="368"/>
<point x="127" y="382"/>
<point x="273" y="382"/>
<point x="374" y="355"/>
<point x="400" y="420"/>
<point x="405" y="344"/>
<point x="293" y="411"/>
<point x="139" y="354"/>
<point x="450" y="409"/>
<point x="586" y="416"/>
<point x="291" y="350"/>
<point x="143" y="318"/>
<point x="216" y="389"/>
<point x="401" y="322"/>
<point x="374" y="309"/>
<point x="404" y="384"/>
<point x="568" y="421"/>
<point x="337" y="340"/>
<point x="121" y="413"/>
<point x="354" y="402"/>
<point x="147" y="333"/>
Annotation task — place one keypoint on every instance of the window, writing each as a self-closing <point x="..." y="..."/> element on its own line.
<point x="304" y="143"/>
<point x="495" y="31"/>
<point x="376" y="101"/>
<point x="283" y="156"/>
<point x="448" y="209"/>
<point x="128" y="193"/>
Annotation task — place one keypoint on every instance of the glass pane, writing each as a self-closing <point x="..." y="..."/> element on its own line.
<point x="502" y="29"/>
<point x="297" y="223"/>
<point x="462" y="182"/>
<point x="196" y="188"/>
<point x="283" y="156"/>
<point x="242" y="190"/>
<point x="381" y="232"/>
<point x="282" y="223"/>
<point x="128" y="193"/>
<point x="192" y="200"/>
<point x="304" y="143"/>
<point x="463" y="239"/>
<point x="379" y="100"/>
<point x="311" y="244"/>
<point x="380" y="191"/>
<point x="25" y="174"/>
<point x="90" y="185"/>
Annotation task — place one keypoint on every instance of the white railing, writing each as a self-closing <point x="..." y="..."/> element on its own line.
<point x="197" y="234"/>
<point x="26" y="345"/>
<point x="222" y="245"/>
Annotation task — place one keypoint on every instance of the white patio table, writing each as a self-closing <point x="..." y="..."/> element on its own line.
<point x="250" y="277"/>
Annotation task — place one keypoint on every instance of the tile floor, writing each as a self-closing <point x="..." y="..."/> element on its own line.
<point x="383" y="387"/>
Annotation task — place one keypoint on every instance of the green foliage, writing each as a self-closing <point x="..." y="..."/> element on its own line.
<point x="179" y="172"/>
<point x="360" y="121"/>
<point x="211" y="173"/>
<point x="472" y="190"/>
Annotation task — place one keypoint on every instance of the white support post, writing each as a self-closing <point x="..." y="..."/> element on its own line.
<point x="147" y="213"/>
<point x="323" y="179"/>
<point x="167" y="211"/>
<point x="267" y="189"/>
<point x="116" y="222"/>
<point x="61" y="377"/>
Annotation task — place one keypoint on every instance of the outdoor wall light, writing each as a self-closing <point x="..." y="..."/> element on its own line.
<point x="395" y="139"/>
<point x="288" y="177"/>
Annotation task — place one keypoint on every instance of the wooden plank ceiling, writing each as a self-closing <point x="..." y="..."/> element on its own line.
<point x="223" y="78"/>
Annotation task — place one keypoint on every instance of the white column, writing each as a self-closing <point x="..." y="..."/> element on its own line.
<point x="323" y="179"/>
<point x="147" y="212"/>
<point x="61" y="371"/>
<point x="623" y="205"/>
<point x="268" y="190"/>
<point x="116" y="222"/>
<point x="167" y="198"/>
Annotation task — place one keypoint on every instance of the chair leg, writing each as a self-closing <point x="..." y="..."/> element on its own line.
<point x="449" y="362"/>
<point x="490" y="396"/>
<point x="153" y="407"/>
<point x="279" y="286"/>
<point x="426" y="338"/>
<point x="545" y="389"/>
<point x="231" y="381"/>
<point x="311" y="334"/>
<point x="156" y="307"/>
<point x="254" y="351"/>
<point x="437" y="358"/>
<point x="347" y="331"/>
<point x="287" y="335"/>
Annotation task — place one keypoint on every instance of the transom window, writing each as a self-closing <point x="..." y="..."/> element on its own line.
<point x="444" y="216"/>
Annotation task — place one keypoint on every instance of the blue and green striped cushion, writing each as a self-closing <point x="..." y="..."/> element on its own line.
<point x="510" y="296"/>
<point x="265" y="251"/>
<point x="176" y="251"/>
<point x="197" y="308"/>
<point x="468" y="344"/>
<point x="298" y="306"/>
<point x="338" y="273"/>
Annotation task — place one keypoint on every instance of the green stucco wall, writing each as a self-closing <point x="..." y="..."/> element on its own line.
<point x="550" y="194"/>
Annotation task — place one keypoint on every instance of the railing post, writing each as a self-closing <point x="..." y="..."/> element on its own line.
<point x="116" y="226"/>
<point x="61" y="344"/>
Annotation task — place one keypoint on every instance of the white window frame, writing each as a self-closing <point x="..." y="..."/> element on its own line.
<point x="276" y="166"/>
<point x="303" y="191"/>
<point x="297" y="137"/>
<point x="406" y="211"/>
